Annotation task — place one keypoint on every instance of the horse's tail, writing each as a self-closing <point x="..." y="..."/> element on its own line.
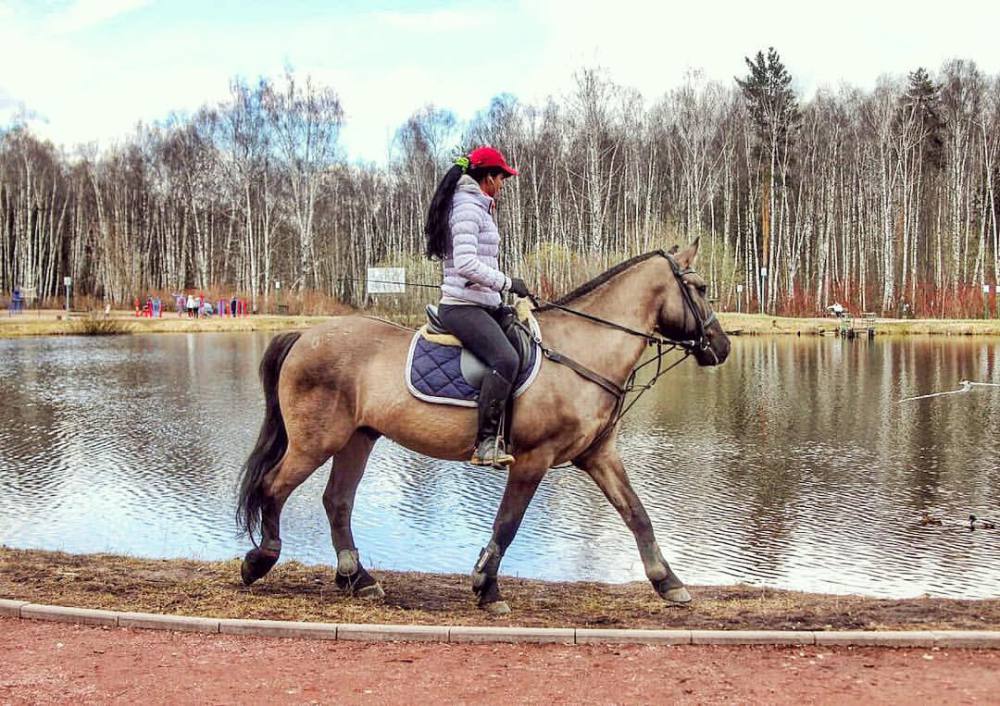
<point x="272" y="440"/>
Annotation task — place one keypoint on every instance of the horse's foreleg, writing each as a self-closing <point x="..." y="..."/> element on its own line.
<point x="521" y="486"/>
<point x="288" y="475"/>
<point x="338" y="500"/>
<point x="608" y="471"/>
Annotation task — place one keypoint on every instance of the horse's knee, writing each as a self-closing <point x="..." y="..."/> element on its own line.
<point x="338" y="511"/>
<point x="331" y="503"/>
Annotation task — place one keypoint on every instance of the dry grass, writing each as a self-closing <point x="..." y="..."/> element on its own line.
<point x="293" y="591"/>
<point x="52" y="323"/>
<point x="98" y="326"/>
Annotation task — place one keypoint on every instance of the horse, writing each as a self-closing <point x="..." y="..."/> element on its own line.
<point x="333" y="390"/>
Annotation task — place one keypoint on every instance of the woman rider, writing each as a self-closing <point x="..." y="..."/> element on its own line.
<point x="462" y="232"/>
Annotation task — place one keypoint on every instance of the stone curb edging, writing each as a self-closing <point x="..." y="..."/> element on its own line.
<point x="982" y="639"/>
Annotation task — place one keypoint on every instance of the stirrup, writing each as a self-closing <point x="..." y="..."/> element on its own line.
<point x="491" y="451"/>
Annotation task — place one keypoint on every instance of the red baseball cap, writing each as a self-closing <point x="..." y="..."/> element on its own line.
<point x="489" y="157"/>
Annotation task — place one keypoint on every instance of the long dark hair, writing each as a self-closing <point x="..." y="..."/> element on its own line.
<point x="437" y="229"/>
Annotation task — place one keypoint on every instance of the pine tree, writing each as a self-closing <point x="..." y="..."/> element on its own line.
<point x="922" y="103"/>
<point x="774" y="110"/>
<point x="772" y="102"/>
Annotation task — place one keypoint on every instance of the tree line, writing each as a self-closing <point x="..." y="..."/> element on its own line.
<point x="882" y="199"/>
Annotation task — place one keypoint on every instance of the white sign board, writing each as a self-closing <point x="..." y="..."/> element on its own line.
<point x="386" y="280"/>
<point x="763" y="272"/>
<point x="67" y="281"/>
<point x="739" y="289"/>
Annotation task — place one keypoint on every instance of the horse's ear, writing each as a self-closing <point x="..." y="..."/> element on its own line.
<point x="688" y="255"/>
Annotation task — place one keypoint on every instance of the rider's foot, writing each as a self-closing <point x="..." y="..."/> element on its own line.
<point x="490" y="452"/>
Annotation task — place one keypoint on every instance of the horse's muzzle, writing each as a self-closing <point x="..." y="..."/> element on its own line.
<point x="715" y="348"/>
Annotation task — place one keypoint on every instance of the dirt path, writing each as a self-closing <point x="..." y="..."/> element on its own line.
<point x="58" y="663"/>
<point x="293" y="591"/>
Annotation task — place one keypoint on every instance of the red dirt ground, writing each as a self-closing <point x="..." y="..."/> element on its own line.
<point x="59" y="663"/>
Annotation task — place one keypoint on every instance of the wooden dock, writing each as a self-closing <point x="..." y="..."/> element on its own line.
<point x="856" y="326"/>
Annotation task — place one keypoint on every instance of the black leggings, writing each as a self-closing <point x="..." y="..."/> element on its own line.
<point x="478" y="330"/>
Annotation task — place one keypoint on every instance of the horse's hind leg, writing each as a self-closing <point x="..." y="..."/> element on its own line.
<point x="521" y="486"/>
<point x="295" y="467"/>
<point x="338" y="500"/>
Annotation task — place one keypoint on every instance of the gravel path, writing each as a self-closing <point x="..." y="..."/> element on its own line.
<point x="59" y="663"/>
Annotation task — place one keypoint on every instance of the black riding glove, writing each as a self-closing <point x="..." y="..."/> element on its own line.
<point x="518" y="287"/>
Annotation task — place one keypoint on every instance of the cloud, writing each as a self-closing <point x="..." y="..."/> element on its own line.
<point x="80" y="15"/>
<point x="7" y="101"/>
<point x="433" y="20"/>
<point x="96" y="67"/>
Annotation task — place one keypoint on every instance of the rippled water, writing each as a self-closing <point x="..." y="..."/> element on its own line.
<point x="791" y="465"/>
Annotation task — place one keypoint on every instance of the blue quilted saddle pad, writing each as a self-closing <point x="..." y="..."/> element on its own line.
<point x="445" y="374"/>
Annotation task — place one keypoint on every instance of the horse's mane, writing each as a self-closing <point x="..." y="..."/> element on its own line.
<point x="593" y="284"/>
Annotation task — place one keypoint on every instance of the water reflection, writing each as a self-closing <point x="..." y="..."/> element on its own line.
<point x="791" y="465"/>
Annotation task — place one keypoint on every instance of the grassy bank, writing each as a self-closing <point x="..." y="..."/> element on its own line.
<point x="54" y="323"/>
<point x="294" y="591"/>
<point x="761" y="324"/>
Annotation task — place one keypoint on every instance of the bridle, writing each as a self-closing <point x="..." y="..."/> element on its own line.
<point x="664" y="345"/>
<point x="701" y="343"/>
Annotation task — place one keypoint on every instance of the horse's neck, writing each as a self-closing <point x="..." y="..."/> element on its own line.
<point x="631" y="299"/>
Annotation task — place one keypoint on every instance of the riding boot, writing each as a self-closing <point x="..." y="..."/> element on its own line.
<point x="490" y="447"/>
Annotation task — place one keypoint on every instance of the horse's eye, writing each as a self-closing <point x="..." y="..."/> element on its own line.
<point x="702" y="289"/>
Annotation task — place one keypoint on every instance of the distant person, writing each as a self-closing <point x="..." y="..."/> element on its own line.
<point x="190" y="306"/>
<point x="16" y="301"/>
<point x="232" y="307"/>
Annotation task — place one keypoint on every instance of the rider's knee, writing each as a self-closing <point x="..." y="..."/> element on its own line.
<point x="506" y="365"/>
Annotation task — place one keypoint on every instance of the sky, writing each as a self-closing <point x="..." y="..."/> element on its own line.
<point x="87" y="71"/>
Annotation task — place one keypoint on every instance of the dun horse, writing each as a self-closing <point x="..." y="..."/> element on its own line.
<point x="334" y="389"/>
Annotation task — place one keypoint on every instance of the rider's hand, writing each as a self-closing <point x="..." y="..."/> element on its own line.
<point x="518" y="287"/>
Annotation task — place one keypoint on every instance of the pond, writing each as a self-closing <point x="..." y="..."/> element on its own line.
<point x="792" y="465"/>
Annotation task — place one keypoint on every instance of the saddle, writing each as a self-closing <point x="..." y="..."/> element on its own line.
<point x="439" y="370"/>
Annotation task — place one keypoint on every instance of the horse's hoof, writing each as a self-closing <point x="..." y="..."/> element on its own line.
<point x="255" y="565"/>
<point x="246" y="573"/>
<point x="496" y="608"/>
<point x="678" y="595"/>
<point x="373" y="592"/>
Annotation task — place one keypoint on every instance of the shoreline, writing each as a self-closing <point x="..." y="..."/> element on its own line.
<point x="54" y="323"/>
<point x="297" y="592"/>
